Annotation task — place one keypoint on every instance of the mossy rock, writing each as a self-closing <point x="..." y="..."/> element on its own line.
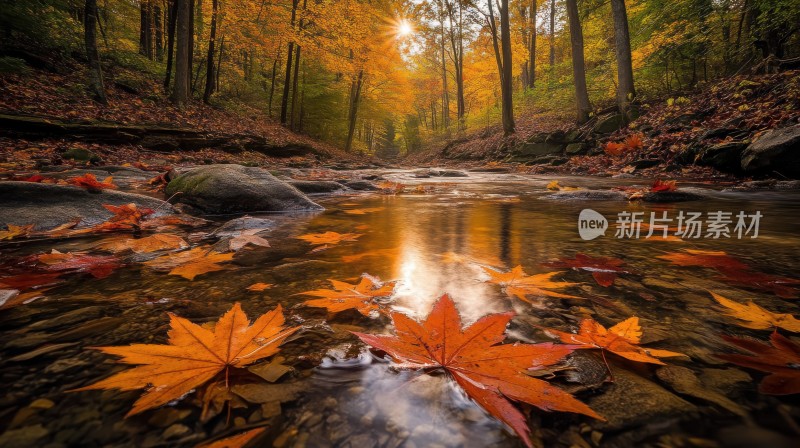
<point x="81" y="155"/>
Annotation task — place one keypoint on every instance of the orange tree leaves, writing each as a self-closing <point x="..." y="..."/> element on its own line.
<point x="90" y="182"/>
<point x="780" y="360"/>
<point x="517" y="283"/>
<point x="489" y="373"/>
<point x="622" y="339"/>
<point x="757" y="318"/>
<point x="194" y="355"/>
<point x="345" y="296"/>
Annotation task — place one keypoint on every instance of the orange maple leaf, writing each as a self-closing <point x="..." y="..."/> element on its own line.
<point x="236" y="441"/>
<point x="345" y="296"/>
<point x="489" y="373"/>
<point x="258" y="287"/>
<point x="99" y="266"/>
<point x="634" y="142"/>
<point x="152" y="243"/>
<point x="516" y="283"/>
<point x="757" y="318"/>
<point x="664" y="185"/>
<point x="90" y="182"/>
<point x="13" y="231"/>
<point x="330" y="238"/>
<point x="614" y="149"/>
<point x="622" y="339"/>
<point x="194" y="354"/>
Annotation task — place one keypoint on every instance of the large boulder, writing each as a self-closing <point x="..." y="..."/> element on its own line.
<point x="220" y="189"/>
<point x="48" y="205"/>
<point x="317" y="186"/>
<point x="776" y="150"/>
<point x="724" y="156"/>
<point x="608" y="124"/>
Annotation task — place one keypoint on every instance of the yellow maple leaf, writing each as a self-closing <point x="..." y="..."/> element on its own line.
<point x="757" y="318"/>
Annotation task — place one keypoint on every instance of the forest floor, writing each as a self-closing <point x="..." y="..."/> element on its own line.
<point x="63" y="97"/>
<point x="666" y="139"/>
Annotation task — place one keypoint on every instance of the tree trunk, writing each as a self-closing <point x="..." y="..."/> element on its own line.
<point x="158" y="37"/>
<point x="355" y="94"/>
<point x="211" y="53"/>
<point x="172" y="18"/>
<point x="183" y="54"/>
<point x="625" y="90"/>
<point x="191" y="45"/>
<point x="288" y="79"/>
<point x="90" y="39"/>
<point x="532" y="47"/>
<point x="457" y="45"/>
<point x="274" y="75"/>
<point x="578" y="66"/>
<point x="445" y="93"/>
<point x="505" y="43"/>
<point x="552" y="33"/>
<point x="143" y="26"/>
<point x="498" y="56"/>
<point x="294" y="88"/>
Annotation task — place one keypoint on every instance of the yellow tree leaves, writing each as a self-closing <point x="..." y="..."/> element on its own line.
<point x="194" y="355"/>
<point x="755" y="317"/>
<point x="516" y="283"/>
<point x="345" y="296"/>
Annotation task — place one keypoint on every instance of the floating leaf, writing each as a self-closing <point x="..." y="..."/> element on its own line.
<point x="99" y="266"/>
<point x="330" y="238"/>
<point x="344" y="296"/>
<point x="604" y="269"/>
<point x="780" y="360"/>
<point x="489" y="373"/>
<point x="664" y="185"/>
<point x="237" y="441"/>
<point x="756" y="317"/>
<point x="152" y="243"/>
<point x="194" y="355"/>
<point x="90" y="182"/>
<point x="516" y="283"/>
<point x="258" y="287"/>
<point x="191" y="263"/>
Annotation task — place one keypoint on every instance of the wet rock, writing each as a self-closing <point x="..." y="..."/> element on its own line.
<point x="725" y="381"/>
<point x="218" y="189"/>
<point x="684" y="381"/>
<point x="531" y="150"/>
<point x="769" y="184"/>
<point x="81" y="155"/>
<point x="671" y="196"/>
<point x="123" y="177"/>
<point x="317" y="186"/>
<point x="585" y="369"/>
<point x="63" y="365"/>
<point x="176" y="430"/>
<point x="68" y="318"/>
<point x="270" y="409"/>
<point x="588" y="195"/>
<point x="575" y="149"/>
<point x="632" y="401"/>
<point x="753" y="436"/>
<point x="24" y="437"/>
<point x="723" y="156"/>
<point x="41" y="351"/>
<point x="451" y="173"/>
<point x="235" y="227"/>
<point x="776" y="150"/>
<point x="645" y="163"/>
<point x="360" y="185"/>
<point x="608" y="124"/>
<point x="165" y="417"/>
<point x="264" y="392"/>
<point x="91" y="328"/>
<point x="47" y="205"/>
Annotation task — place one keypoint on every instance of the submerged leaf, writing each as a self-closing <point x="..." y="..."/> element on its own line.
<point x="780" y="359"/>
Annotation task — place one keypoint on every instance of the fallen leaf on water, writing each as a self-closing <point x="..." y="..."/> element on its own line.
<point x="604" y="269"/>
<point x="489" y="373"/>
<point x="664" y="185"/>
<point x="345" y="296"/>
<point x="99" y="266"/>
<point x="554" y="186"/>
<point x="780" y="360"/>
<point x="191" y="263"/>
<point x="30" y="280"/>
<point x="703" y="258"/>
<point x="194" y="355"/>
<point x="237" y="441"/>
<point x="516" y="283"/>
<point x="330" y="238"/>
<point x="258" y="287"/>
<point x="237" y="243"/>
<point x="757" y="318"/>
<point x="152" y="243"/>
<point x="13" y="231"/>
<point x="90" y="182"/>
<point x="622" y="339"/>
<point x="778" y="285"/>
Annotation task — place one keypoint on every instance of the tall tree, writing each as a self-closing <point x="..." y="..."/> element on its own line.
<point x="288" y="79"/>
<point x="352" y="113"/>
<point x="505" y="43"/>
<point x="622" y="44"/>
<point x="211" y="52"/>
<point x="90" y="39"/>
<point x="532" y="45"/>
<point x="294" y="116"/>
<point x="578" y="65"/>
<point x="183" y="54"/>
<point x="455" y="17"/>
<point x="552" y="33"/>
<point x="172" y="16"/>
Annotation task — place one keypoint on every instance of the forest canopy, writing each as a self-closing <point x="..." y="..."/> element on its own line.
<point x="388" y="76"/>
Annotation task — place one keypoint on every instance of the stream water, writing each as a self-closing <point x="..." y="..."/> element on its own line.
<point x="340" y="394"/>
